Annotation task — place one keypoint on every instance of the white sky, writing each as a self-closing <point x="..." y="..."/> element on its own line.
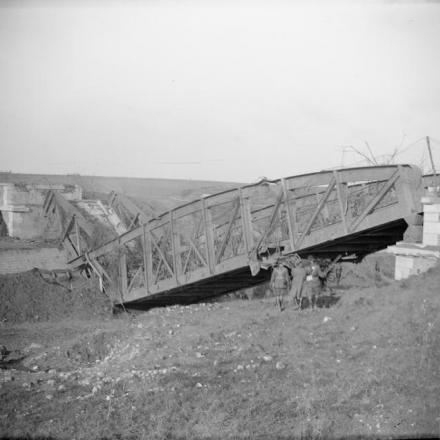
<point x="218" y="90"/>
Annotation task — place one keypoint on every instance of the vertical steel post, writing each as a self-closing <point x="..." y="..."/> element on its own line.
<point x="149" y="256"/>
<point x="144" y="252"/>
<point x="428" y="142"/>
<point x="245" y="221"/>
<point x="209" y="238"/>
<point x="173" y="246"/>
<point x="123" y="271"/>
<point x="78" y="240"/>
<point x="289" y="215"/>
<point x="341" y="200"/>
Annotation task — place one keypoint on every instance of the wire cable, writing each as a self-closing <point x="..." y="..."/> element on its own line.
<point x="412" y="144"/>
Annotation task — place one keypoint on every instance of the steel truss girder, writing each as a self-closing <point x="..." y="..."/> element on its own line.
<point x="319" y="209"/>
<point x="76" y="229"/>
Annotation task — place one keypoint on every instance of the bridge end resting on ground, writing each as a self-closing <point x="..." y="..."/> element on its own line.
<point x="226" y="241"/>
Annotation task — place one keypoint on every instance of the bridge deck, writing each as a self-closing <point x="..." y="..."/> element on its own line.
<point x="204" y="248"/>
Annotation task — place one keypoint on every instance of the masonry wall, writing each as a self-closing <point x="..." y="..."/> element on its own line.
<point x="407" y="265"/>
<point x="415" y="258"/>
<point x="22" y="209"/>
<point x="431" y="224"/>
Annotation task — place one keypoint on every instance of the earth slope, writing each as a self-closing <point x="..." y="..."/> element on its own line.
<point x="365" y="366"/>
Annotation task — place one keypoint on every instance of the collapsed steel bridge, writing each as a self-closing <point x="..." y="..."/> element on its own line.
<point x="206" y="248"/>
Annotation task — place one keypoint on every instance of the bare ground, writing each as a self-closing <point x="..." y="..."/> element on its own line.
<point x="367" y="366"/>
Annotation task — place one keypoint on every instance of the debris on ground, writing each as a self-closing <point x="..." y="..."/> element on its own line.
<point x="367" y="366"/>
<point x="28" y="297"/>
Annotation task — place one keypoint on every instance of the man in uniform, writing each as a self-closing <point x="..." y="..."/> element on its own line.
<point x="320" y="274"/>
<point x="299" y="275"/>
<point x="338" y="273"/>
<point x="280" y="283"/>
<point x="315" y="283"/>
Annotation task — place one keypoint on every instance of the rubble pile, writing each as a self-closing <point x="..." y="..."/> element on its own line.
<point x="28" y="297"/>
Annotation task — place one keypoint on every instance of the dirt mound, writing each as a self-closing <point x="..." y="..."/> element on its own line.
<point x="28" y="297"/>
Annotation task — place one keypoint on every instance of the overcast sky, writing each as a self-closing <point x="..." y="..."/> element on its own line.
<point x="214" y="89"/>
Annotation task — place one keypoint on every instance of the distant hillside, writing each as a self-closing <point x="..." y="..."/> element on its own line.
<point x="161" y="194"/>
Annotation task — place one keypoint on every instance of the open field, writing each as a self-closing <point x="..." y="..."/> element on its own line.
<point x="161" y="194"/>
<point x="365" y="367"/>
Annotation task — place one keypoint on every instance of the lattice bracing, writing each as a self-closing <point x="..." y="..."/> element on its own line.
<point x="206" y="247"/>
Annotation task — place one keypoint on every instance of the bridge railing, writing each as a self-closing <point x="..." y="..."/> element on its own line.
<point x="221" y="232"/>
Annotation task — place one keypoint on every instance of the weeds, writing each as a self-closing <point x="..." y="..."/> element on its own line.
<point x="239" y="370"/>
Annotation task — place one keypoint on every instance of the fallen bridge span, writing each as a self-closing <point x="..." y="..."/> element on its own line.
<point x="205" y="248"/>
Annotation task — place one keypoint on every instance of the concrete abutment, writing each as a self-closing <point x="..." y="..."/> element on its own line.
<point x="421" y="249"/>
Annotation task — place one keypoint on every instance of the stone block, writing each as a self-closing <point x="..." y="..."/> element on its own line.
<point x="400" y="273"/>
<point x="431" y="208"/>
<point x="431" y="197"/>
<point x="412" y="265"/>
<point x="405" y="261"/>
<point x="431" y="239"/>
<point x="431" y="217"/>
<point x="431" y="228"/>
<point x="403" y="267"/>
<point x="413" y="259"/>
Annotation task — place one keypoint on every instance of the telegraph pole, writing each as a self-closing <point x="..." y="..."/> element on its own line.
<point x="428" y="143"/>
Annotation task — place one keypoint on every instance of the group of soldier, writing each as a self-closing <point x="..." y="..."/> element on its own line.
<point x="291" y="283"/>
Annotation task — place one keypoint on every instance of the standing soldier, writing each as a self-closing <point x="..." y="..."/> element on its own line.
<point x="320" y="274"/>
<point x="338" y="273"/>
<point x="280" y="283"/>
<point x="315" y="283"/>
<point x="299" y="275"/>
